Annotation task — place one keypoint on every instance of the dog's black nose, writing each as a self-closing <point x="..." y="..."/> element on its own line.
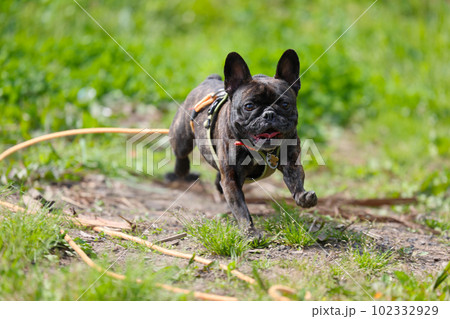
<point x="269" y="115"/>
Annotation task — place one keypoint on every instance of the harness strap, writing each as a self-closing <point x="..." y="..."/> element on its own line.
<point x="211" y="120"/>
<point x="206" y="101"/>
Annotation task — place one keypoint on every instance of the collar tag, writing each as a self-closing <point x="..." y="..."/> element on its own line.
<point x="272" y="161"/>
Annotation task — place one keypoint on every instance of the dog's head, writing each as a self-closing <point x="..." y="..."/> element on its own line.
<point x="263" y="109"/>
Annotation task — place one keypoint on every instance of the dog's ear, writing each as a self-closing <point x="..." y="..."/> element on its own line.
<point x="288" y="69"/>
<point x="236" y="72"/>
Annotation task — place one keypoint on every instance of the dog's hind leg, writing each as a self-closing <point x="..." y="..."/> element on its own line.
<point x="182" y="141"/>
<point x="217" y="182"/>
<point x="182" y="164"/>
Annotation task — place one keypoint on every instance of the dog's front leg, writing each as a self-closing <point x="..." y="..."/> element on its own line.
<point x="294" y="177"/>
<point x="232" y="190"/>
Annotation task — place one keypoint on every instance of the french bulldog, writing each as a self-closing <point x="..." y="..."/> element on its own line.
<point x="259" y="114"/>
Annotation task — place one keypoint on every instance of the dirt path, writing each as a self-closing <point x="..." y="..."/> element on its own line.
<point x="155" y="203"/>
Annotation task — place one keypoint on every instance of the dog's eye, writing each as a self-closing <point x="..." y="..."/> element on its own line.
<point x="249" y="106"/>
<point x="285" y="105"/>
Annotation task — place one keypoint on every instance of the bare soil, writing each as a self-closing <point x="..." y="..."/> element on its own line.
<point x="153" y="206"/>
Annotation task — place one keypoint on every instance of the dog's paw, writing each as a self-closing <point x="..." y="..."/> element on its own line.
<point x="191" y="177"/>
<point x="172" y="177"/>
<point x="254" y="234"/>
<point x="306" y="199"/>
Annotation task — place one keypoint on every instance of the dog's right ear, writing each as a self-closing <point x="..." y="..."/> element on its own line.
<point x="236" y="72"/>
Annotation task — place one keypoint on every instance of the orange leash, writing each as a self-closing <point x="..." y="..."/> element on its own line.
<point x="79" y="132"/>
<point x="276" y="291"/>
<point x="173" y="253"/>
<point x="90" y="263"/>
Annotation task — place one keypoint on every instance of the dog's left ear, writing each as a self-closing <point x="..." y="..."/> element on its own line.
<point x="288" y="69"/>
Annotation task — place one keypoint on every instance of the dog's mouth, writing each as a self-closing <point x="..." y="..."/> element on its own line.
<point x="266" y="136"/>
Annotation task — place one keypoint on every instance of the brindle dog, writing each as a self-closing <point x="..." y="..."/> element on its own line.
<point x="259" y="109"/>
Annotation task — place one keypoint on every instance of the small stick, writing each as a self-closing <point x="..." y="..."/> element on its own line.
<point x="371" y="235"/>
<point x="74" y="203"/>
<point x="170" y="238"/>
<point x="132" y="225"/>
<point x="347" y="226"/>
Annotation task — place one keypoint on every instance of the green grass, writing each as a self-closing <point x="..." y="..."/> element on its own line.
<point x="333" y="283"/>
<point x="442" y="277"/>
<point x="287" y="227"/>
<point x="49" y="281"/>
<point x="293" y="228"/>
<point x="218" y="237"/>
<point x="32" y="268"/>
<point x="34" y="236"/>
<point x="370" y="259"/>
<point x="223" y="236"/>
<point x="293" y="231"/>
